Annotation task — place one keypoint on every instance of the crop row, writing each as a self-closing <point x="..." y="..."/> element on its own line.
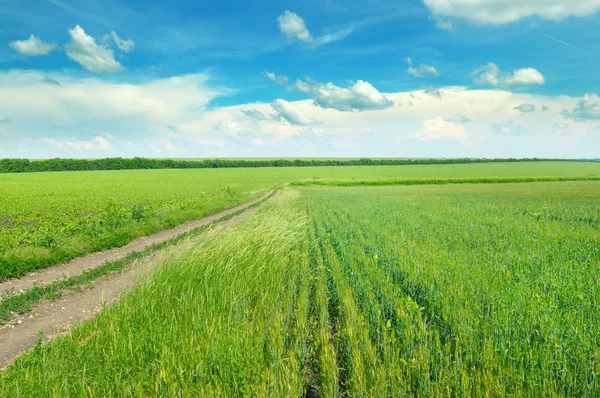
<point x="482" y="290"/>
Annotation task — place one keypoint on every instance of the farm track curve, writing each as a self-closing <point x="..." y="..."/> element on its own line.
<point x="56" y="317"/>
<point x="93" y="260"/>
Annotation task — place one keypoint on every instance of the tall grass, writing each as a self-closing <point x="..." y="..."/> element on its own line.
<point x="433" y="291"/>
<point x="464" y="291"/>
<point x="225" y="318"/>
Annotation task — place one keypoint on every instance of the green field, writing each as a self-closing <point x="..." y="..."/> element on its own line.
<point x="47" y="218"/>
<point x="453" y="290"/>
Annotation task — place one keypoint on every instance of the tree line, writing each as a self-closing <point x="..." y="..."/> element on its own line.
<point x="11" y="165"/>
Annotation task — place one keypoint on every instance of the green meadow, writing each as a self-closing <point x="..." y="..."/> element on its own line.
<point x="48" y="218"/>
<point x="453" y="290"/>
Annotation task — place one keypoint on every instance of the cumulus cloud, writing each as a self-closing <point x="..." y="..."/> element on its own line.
<point x="33" y="46"/>
<point x="254" y="114"/>
<point x="525" y="108"/>
<point x="36" y="106"/>
<point x="360" y="96"/>
<point x="279" y="79"/>
<point x="490" y="75"/>
<point x="171" y="115"/>
<point x="497" y="12"/>
<point x="291" y="114"/>
<point x="588" y="108"/>
<point x="523" y="77"/>
<point x="507" y="128"/>
<point x="124" y="45"/>
<point x="97" y="143"/>
<point x="292" y="26"/>
<point x="421" y="71"/>
<point x="438" y="128"/>
<point x="84" y="50"/>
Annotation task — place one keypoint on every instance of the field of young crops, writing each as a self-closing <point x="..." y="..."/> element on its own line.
<point x="454" y="290"/>
<point x="48" y="218"/>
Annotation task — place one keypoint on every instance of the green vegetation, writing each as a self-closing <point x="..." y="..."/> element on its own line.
<point x="463" y="290"/>
<point x="210" y="325"/>
<point x="437" y="181"/>
<point x="21" y="303"/>
<point x="453" y="290"/>
<point x="58" y="164"/>
<point x="48" y="218"/>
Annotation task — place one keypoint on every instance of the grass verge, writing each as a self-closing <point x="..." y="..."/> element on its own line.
<point x="226" y="318"/>
<point x="22" y="303"/>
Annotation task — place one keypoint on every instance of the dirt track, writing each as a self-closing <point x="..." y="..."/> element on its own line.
<point x="57" y="317"/>
<point x="81" y="264"/>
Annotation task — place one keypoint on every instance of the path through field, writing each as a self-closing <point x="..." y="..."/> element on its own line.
<point x="81" y="264"/>
<point x="58" y="316"/>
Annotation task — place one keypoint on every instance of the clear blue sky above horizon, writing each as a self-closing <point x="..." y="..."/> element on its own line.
<point x="418" y="78"/>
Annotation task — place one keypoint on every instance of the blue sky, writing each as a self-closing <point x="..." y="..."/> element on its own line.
<point x="400" y="78"/>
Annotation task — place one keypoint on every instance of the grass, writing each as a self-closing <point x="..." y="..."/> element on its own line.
<point x="49" y="218"/>
<point x="436" y="181"/>
<point x="46" y="221"/>
<point x="22" y="303"/>
<point x="463" y="290"/>
<point x="453" y="290"/>
<point x="219" y="322"/>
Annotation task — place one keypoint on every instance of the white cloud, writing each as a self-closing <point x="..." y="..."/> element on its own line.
<point x="525" y="108"/>
<point x="292" y="26"/>
<point x="291" y="113"/>
<point x="496" y="12"/>
<point x="230" y="128"/>
<point x="93" y="57"/>
<point x="588" y="108"/>
<point x="526" y="76"/>
<point x="33" y="46"/>
<point x="124" y="45"/>
<point x="360" y="96"/>
<point x="171" y="116"/>
<point x="438" y="128"/>
<point x="422" y="71"/>
<point x="96" y="143"/>
<point x="491" y="75"/>
<point x="3" y="119"/>
<point x="37" y="107"/>
<point x="335" y="36"/>
<point x="277" y="79"/>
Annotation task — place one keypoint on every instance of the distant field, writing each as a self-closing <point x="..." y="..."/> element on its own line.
<point x="46" y="218"/>
<point x="432" y="291"/>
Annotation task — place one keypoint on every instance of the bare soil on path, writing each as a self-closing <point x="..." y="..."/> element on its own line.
<point x="81" y="264"/>
<point x="58" y="316"/>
